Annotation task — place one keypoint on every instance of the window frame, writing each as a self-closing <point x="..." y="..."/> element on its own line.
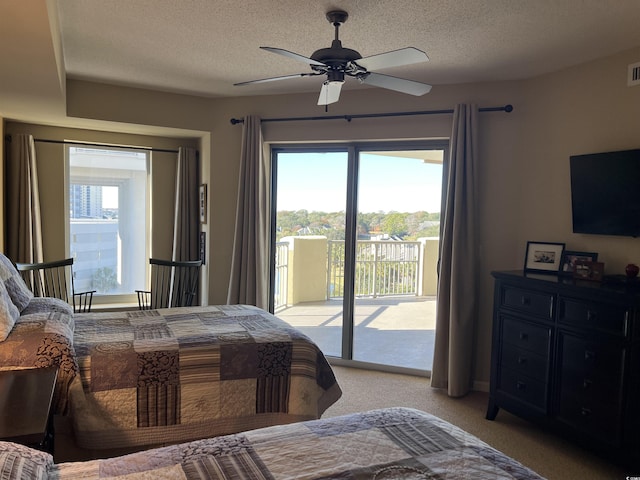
<point x="118" y="299"/>
<point x="353" y="150"/>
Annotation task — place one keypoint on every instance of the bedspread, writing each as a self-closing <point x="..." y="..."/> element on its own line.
<point x="168" y="375"/>
<point x="43" y="339"/>
<point x="380" y="444"/>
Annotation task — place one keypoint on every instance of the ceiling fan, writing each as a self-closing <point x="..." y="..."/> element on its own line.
<point x="336" y="62"/>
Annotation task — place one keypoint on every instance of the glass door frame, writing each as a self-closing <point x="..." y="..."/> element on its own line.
<point x="353" y="150"/>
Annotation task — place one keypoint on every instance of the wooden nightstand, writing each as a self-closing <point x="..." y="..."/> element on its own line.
<point x="25" y="407"/>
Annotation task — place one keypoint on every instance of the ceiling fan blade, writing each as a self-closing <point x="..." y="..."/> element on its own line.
<point x="295" y="56"/>
<point x="272" y="79"/>
<point x="329" y="93"/>
<point x="394" y="83"/>
<point x="395" y="58"/>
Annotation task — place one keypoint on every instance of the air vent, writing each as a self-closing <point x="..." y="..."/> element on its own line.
<point x="634" y="75"/>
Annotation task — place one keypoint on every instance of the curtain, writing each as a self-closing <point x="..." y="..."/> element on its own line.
<point x="186" y="229"/>
<point x="249" y="279"/>
<point x="24" y="225"/>
<point x="456" y="302"/>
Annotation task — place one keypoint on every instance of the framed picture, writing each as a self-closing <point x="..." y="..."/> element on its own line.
<point x="203" y="203"/>
<point x="543" y="257"/>
<point x="570" y="257"/>
<point x="586" y="270"/>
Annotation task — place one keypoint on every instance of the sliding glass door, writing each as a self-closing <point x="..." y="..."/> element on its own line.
<point x="310" y="217"/>
<point x="355" y="248"/>
<point x="398" y="218"/>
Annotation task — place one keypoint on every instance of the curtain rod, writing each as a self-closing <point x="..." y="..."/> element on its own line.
<point x="348" y="118"/>
<point x="100" y="145"/>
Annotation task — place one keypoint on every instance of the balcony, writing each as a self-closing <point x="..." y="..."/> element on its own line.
<point x="395" y="288"/>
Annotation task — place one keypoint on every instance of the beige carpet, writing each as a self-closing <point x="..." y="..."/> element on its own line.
<point x="546" y="453"/>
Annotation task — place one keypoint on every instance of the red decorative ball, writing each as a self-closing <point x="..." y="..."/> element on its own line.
<point x="632" y="270"/>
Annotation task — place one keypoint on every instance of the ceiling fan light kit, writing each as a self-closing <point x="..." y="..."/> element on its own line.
<point x="336" y="62"/>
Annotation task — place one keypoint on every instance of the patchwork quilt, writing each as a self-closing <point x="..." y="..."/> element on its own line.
<point x="392" y="443"/>
<point x="162" y="376"/>
<point x="43" y="337"/>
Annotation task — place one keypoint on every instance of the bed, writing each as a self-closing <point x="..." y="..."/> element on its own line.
<point x="380" y="444"/>
<point x="153" y="377"/>
<point x="42" y="336"/>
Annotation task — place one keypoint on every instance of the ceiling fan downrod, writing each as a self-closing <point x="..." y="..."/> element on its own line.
<point x="337" y="18"/>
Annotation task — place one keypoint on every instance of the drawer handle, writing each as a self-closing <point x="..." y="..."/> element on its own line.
<point x="585" y="412"/>
<point x="525" y="301"/>
<point x="592" y="316"/>
<point x="521" y="386"/>
<point x="522" y="360"/>
<point x="589" y="355"/>
<point x="524" y="336"/>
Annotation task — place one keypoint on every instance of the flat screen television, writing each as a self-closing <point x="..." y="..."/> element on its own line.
<point x="605" y="193"/>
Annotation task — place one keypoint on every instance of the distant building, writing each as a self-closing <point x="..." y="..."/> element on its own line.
<point x="85" y="201"/>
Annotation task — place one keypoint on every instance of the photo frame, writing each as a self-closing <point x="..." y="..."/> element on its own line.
<point x="543" y="257"/>
<point x="587" y="270"/>
<point x="570" y="257"/>
<point x="203" y="203"/>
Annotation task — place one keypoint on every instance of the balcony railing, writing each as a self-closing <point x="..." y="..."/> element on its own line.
<point x="280" y="286"/>
<point x="312" y="269"/>
<point x="382" y="268"/>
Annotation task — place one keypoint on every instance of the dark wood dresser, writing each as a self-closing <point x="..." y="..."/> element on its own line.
<point x="566" y="354"/>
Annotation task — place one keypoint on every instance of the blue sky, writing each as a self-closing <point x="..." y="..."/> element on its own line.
<point x="317" y="182"/>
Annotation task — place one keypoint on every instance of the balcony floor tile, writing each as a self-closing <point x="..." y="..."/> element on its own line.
<point x="396" y="331"/>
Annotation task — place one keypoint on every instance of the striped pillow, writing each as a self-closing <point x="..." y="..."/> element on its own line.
<point x="47" y="305"/>
<point x="18" y="290"/>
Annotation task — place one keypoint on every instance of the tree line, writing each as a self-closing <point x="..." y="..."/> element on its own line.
<point x="404" y="225"/>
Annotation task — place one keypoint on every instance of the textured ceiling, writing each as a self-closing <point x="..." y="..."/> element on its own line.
<point x="203" y="47"/>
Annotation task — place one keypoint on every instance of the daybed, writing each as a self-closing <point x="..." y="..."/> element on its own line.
<point x="140" y="378"/>
<point x="380" y="444"/>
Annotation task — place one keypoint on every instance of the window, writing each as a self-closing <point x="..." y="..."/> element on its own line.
<point x="108" y="220"/>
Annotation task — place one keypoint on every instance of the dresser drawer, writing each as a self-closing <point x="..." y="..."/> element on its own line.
<point x="525" y="362"/>
<point x="599" y="421"/>
<point x="523" y="388"/>
<point x="587" y="365"/>
<point x="526" y="336"/>
<point x="590" y="395"/>
<point x="599" y="316"/>
<point x="530" y="302"/>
